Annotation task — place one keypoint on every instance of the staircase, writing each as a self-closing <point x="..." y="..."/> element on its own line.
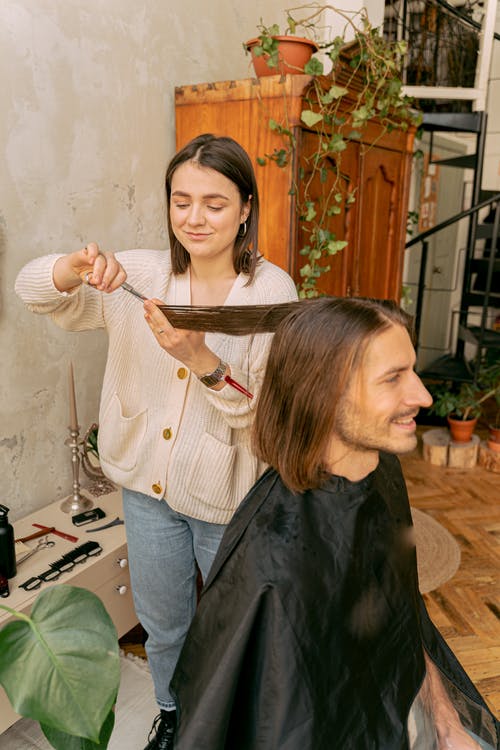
<point x="480" y="288"/>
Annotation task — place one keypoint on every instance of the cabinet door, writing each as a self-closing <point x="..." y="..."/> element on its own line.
<point x="382" y="201"/>
<point x="338" y="280"/>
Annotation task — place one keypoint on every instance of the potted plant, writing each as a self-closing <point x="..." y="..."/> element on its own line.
<point x="489" y="377"/>
<point x="462" y="406"/>
<point x="363" y="87"/>
<point x="273" y="52"/>
<point x="61" y="667"/>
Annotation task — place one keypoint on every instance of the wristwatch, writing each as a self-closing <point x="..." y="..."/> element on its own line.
<point x="212" y="378"/>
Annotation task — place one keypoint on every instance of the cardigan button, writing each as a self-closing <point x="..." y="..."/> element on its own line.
<point x="156" y="487"/>
<point x="167" y="433"/>
<point x="182" y="373"/>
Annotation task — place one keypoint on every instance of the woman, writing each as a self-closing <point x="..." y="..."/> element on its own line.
<point x="172" y="432"/>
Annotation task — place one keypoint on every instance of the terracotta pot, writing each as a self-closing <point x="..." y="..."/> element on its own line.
<point x="461" y="429"/>
<point x="494" y="434"/>
<point x="293" y="53"/>
<point x="494" y="445"/>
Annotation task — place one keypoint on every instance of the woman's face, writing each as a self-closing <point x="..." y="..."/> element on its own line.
<point x="206" y="212"/>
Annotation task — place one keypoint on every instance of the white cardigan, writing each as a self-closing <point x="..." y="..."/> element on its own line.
<point x="162" y="432"/>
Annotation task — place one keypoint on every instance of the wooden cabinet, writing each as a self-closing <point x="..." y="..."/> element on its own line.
<point x="377" y="167"/>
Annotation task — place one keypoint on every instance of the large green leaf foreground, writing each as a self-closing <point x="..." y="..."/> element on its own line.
<point x="61" y="666"/>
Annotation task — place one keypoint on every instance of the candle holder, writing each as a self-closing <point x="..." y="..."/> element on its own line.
<point x="75" y="502"/>
<point x="100" y="485"/>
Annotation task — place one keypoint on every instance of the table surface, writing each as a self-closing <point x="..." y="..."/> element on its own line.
<point x="52" y="515"/>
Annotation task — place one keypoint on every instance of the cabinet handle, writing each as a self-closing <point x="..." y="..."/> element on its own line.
<point x="122" y="562"/>
<point x="122" y="590"/>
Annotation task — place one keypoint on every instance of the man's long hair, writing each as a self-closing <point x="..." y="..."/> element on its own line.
<point x="315" y="353"/>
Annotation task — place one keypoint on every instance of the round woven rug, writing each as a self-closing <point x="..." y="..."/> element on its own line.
<point x="438" y="554"/>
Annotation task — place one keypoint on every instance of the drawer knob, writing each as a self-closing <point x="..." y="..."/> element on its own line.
<point x="122" y="562"/>
<point x="122" y="590"/>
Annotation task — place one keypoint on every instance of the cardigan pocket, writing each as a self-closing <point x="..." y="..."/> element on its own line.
<point x="210" y="478"/>
<point x="120" y="437"/>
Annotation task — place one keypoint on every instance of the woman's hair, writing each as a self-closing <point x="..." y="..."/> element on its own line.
<point x="226" y="156"/>
<point x="314" y="355"/>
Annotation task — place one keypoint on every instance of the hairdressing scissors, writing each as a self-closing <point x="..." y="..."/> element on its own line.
<point x="129" y="288"/>
<point x="41" y="544"/>
<point x="125" y="285"/>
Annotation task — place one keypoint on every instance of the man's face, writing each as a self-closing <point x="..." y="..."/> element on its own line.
<point x="384" y="398"/>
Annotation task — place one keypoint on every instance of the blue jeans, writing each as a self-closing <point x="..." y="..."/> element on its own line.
<point x="163" y="548"/>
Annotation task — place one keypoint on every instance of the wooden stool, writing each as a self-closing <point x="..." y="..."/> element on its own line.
<point x="440" y="450"/>
<point x="488" y="458"/>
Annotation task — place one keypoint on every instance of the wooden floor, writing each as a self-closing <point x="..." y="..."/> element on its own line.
<point x="466" y="609"/>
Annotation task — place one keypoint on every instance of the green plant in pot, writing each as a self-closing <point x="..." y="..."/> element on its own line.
<point x="61" y="667"/>
<point x="462" y="406"/>
<point x="275" y="52"/>
<point x="363" y="87"/>
<point x="489" y="379"/>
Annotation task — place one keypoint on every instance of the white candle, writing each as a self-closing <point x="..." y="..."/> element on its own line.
<point x="73" y="419"/>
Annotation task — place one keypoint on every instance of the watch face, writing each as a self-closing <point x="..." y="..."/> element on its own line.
<point x="214" y="377"/>
<point x="210" y="380"/>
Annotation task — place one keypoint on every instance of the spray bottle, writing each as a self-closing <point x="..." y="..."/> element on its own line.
<point x="7" y="545"/>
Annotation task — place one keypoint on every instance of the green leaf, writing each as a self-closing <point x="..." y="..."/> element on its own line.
<point x="311" y="212"/>
<point x="281" y="158"/>
<point x="261" y="161"/>
<point x="335" y="246"/>
<point x="313" y="67"/>
<point x="62" y="741"/>
<point x="61" y="666"/>
<point x="310" y="118"/>
<point x="305" y="270"/>
<point x="336" y="143"/>
<point x="334" y="92"/>
<point x="362" y="114"/>
<point x="334" y="211"/>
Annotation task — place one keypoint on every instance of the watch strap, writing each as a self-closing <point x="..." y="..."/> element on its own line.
<point x="212" y="378"/>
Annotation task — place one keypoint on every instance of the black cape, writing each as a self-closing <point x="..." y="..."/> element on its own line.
<point x="310" y="629"/>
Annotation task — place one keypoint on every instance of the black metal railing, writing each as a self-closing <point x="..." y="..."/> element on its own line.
<point x="443" y="44"/>
<point x="494" y="203"/>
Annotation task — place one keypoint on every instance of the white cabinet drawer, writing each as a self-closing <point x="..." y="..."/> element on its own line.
<point x="97" y="570"/>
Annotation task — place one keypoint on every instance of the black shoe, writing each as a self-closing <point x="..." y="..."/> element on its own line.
<point x="161" y="736"/>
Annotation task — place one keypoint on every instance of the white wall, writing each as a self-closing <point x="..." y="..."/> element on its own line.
<point x="491" y="170"/>
<point x="87" y="128"/>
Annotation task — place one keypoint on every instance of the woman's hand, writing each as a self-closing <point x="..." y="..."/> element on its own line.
<point x="104" y="271"/>
<point x="187" y="346"/>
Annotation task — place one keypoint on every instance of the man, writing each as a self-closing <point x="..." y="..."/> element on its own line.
<point x="311" y="633"/>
